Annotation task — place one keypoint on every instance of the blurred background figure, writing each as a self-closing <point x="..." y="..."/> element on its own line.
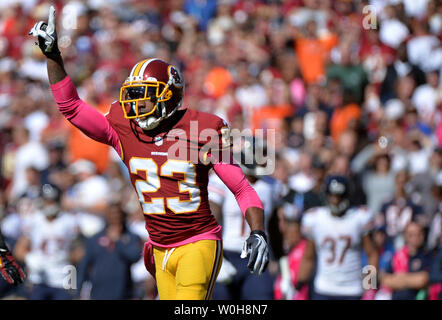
<point x="107" y="260"/>
<point x="56" y="163"/>
<point x="384" y="246"/>
<point x="294" y="244"/>
<point x="400" y="211"/>
<point x="29" y="154"/>
<point x="88" y="197"/>
<point x="435" y="290"/>
<point x="408" y="274"/>
<point x="45" y="247"/>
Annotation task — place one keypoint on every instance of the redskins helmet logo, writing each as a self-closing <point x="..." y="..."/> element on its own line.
<point x="176" y="77"/>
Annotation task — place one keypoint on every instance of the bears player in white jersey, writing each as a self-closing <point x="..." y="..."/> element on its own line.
<point x="235" y="281"/>
<point x="337" y="234"/>
<point x="45" y="247"/>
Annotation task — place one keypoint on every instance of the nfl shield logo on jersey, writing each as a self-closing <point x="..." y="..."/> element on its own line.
<point x="158" y="141"/>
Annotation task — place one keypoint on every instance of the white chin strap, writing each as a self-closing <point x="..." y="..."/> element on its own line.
<point x="149" y="123"/>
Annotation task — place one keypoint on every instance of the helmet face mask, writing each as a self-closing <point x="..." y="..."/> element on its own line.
<point x="337" y="205"/>
<point x="51" y="209"/>
<point x="153" y="83"/>
<point x="132" y="93"/>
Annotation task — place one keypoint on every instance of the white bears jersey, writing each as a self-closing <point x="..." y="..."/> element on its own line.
<point x="338" y="244"/>
<point x="49" y="247"/>
<point x="235" y="227"/>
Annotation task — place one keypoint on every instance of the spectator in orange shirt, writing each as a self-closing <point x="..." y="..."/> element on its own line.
<point x="346" y="112"/>
<point x="217" y="82"/>
<point x="81" y="147"/>
<point x="313" y="53"/>
<point x="272" y="116"/>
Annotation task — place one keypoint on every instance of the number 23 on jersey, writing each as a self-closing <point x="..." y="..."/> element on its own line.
<point x="152" y="184"/>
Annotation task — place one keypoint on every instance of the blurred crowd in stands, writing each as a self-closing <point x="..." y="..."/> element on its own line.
<point x="350" y="87"/>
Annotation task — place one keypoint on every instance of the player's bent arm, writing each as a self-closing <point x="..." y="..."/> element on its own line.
<point x="83" y="116"/>
<point x="255" y="247"/>
<point x="247" y="198"/>
<point x="307" y="263"/>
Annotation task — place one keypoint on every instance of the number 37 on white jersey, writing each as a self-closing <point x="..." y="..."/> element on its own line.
<point x="338" y="244"/>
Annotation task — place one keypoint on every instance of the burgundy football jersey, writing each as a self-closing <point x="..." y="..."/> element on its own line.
<point x="169" y="171"/>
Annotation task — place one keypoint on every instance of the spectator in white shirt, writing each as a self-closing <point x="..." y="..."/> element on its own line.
<point x="424" y="48"/>
<point x="392" y="31"/>
<point x="427" y="96"/>
<point x="29" y="154"/>
<point x="88" y="198"/>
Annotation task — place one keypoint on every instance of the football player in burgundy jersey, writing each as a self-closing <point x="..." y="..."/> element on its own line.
<point x="168" y="152"/>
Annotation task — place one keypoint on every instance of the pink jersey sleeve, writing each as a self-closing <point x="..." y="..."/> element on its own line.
<point x="91" y="122"/>
<point x="233" y="177"/>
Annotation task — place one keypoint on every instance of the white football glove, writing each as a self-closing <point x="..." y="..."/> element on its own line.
<point x="256" y="246"/>
<point x="46" y="33"/>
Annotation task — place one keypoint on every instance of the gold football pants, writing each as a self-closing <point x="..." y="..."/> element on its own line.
<point x="188" y="272"/>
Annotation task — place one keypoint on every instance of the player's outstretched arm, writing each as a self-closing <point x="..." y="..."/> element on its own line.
<point x="80" y="114"/>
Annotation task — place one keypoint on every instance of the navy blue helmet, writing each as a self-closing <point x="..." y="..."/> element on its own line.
<point x="50" y="192"/>
<point x="337" y="187"/>
<point x="50" y="200"/>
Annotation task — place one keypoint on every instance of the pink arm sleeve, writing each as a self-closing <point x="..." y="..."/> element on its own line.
<point x="236" y="181"/>
<point x="83" y="116"/>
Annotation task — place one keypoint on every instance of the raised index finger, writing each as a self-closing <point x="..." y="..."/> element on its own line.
<point x="51" y="19"/>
